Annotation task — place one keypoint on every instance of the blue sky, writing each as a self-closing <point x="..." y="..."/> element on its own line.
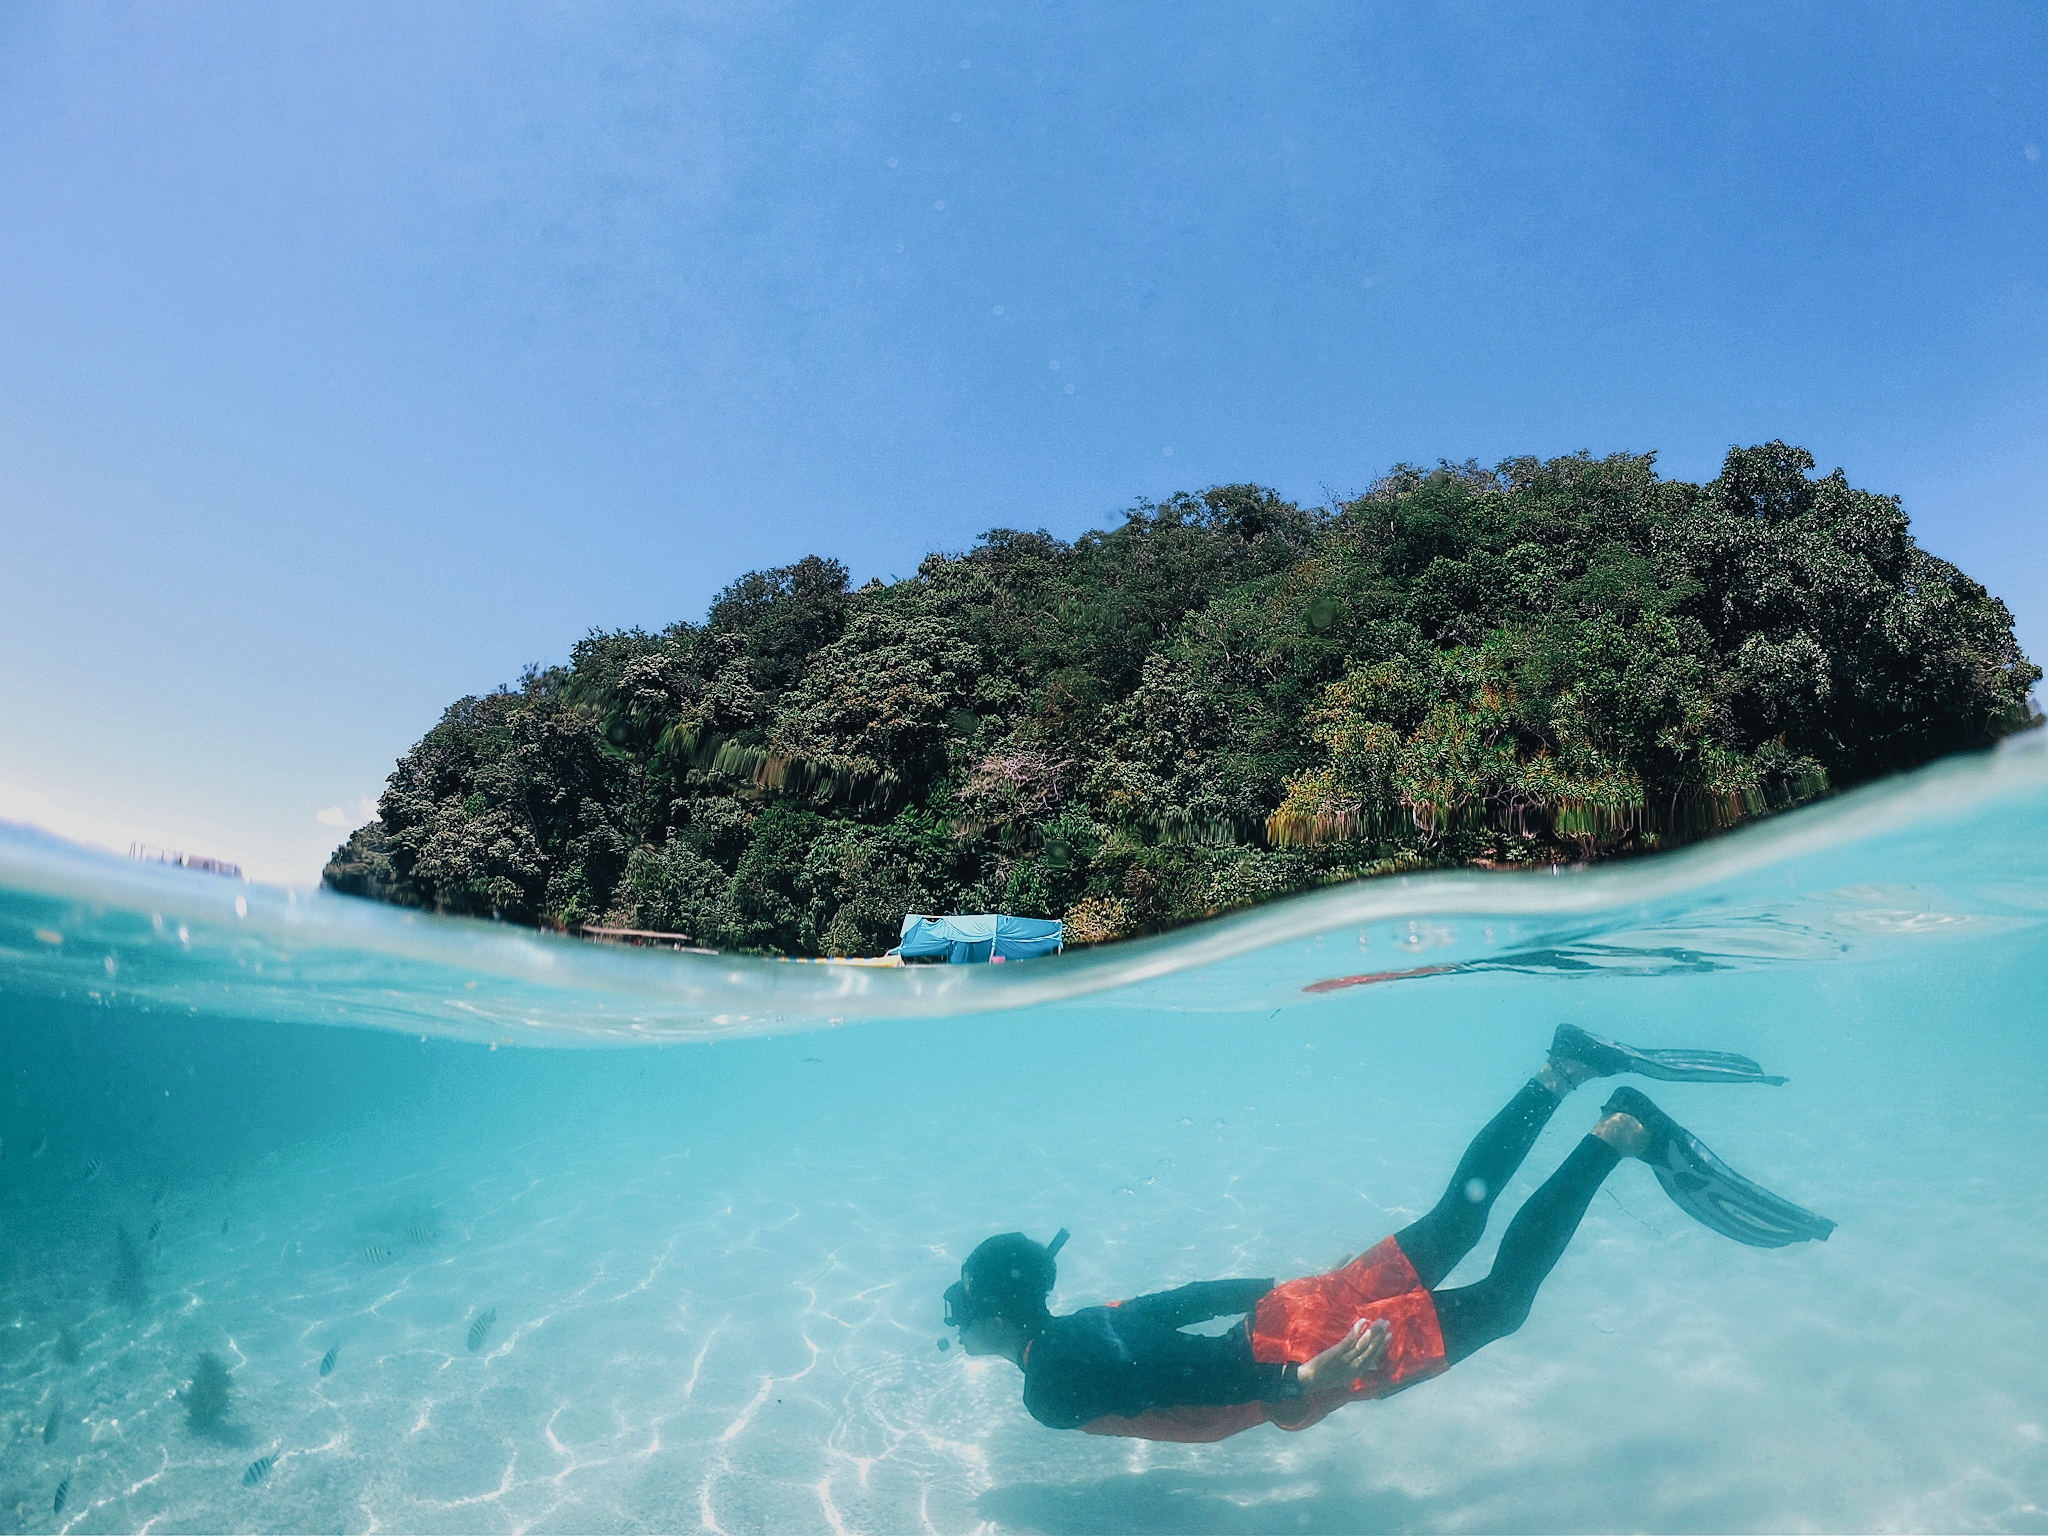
<point x="352" y="358"/>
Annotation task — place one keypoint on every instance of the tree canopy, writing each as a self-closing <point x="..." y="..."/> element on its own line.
<point x="1224" y="699"/>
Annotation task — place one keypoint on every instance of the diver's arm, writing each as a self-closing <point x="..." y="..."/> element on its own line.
<point x="1199" y="1302"/>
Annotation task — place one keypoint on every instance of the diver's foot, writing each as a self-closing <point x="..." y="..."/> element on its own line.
<point x="1698" y="1182"/>
<point x="1576" y="1056"/>
<point x="1625" y="1133"/>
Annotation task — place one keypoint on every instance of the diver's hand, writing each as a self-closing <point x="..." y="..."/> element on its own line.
<point x="1349" y="1358"/>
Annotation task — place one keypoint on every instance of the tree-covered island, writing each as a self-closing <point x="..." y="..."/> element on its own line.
<point x="1226" y="699"/>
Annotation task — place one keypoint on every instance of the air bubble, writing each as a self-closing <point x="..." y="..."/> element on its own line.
<point x="1475" y="1190"/>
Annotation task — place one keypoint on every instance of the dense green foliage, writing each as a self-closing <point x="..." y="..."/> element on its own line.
<point x="1225" y="699"/>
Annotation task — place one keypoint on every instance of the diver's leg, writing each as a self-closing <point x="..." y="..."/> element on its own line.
<point x="1436" y="1243"/>
<point x="1475" y="1315"/>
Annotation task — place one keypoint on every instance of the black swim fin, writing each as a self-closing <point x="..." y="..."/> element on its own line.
<point x="1711" y="1192"/>
<point x="1610" y="1058"/>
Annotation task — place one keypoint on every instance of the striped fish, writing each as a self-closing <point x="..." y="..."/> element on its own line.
<point x="54" y="1423"/>
<point x="327" y="1361"/>
<point x="63" y="1493"/>
<point x="154" y="1228"/>
<point x="480" y="1327"/>
<point x="372" y="1254"/>
<point x="420" y="1233"/>
<point x="93" y="1169"/>
<point x="259" y="1469"/>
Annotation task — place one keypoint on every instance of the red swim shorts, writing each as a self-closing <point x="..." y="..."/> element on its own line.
<point x="1297" y="1321"/>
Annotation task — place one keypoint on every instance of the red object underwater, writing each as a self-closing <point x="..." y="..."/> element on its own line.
<point x="1338" y="983"/>
<point x="1299" y="1319"/>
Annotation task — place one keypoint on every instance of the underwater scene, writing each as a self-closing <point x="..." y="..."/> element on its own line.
<point x="321" y="1215"/>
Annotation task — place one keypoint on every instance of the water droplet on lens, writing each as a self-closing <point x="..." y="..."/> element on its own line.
<point x="1475" y="1190"/>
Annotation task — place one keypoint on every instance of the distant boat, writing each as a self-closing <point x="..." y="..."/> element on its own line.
<point x="644" y="938"/>
<point x="198" y="861"/>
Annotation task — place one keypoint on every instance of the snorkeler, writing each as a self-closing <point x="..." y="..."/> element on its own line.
<point x="1377" y="1324"/>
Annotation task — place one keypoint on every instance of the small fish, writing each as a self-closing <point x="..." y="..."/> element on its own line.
<point x="480" y="1327"/>
<point x="54" y="1423"/>
<point x="223" y="1226"/>
<point x="372" y="1254"/>
<point x="259" y="1469"/>
<point x="154" y="1228"/>
<point x="94" y="1169"/>
<point x="63" y="1493"/>
<point x="420" y="1233"/>
<point x="42" y="1145"/>
<point x="327" y="1361"/>
<point x="67" y="1346"/>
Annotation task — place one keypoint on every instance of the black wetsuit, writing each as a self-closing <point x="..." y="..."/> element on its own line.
<point x="1126" y="1360"/>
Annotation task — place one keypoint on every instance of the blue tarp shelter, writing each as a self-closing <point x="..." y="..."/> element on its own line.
<point x="983" y="936"/>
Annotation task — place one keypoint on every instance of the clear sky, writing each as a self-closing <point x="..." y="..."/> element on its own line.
<point x="352" y="357"/>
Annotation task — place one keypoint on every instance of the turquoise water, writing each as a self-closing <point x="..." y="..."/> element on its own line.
<point x="713" y="1221"/>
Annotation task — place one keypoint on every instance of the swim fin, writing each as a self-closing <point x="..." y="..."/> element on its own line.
<point x="1711" y="1192"/>
<point x="1609" y="1058"/>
